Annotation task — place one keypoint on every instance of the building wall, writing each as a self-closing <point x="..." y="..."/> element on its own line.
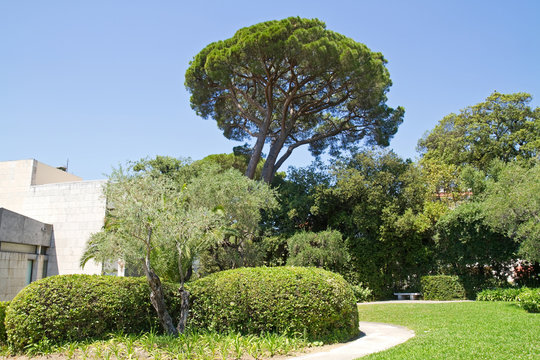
<point x="13" y="272"/>
<point x="13" y="267"/>
<point x="75" y="208"/>
<point x="20" y="229"/>
<point x="23" y="242"/>
<point x="15" y="180"/>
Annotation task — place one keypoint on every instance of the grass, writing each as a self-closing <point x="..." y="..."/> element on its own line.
<point x="195" y="345"/>
<point x="465" y="330"/>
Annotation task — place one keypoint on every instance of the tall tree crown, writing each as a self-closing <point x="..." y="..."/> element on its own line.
<point x="292" y="82"/>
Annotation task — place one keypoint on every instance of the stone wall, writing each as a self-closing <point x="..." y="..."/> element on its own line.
<point x="75" y="209"/>
<point x="14" y="272"/>
<point x="15" y="180"/>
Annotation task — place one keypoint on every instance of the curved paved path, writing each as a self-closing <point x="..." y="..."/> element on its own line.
<point x="377" y="337"/>
<point x="413" y="302"/>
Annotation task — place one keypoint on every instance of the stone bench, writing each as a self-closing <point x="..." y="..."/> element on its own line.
<point x="410" y="296"/>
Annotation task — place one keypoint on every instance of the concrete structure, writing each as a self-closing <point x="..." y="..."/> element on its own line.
<point x="24" y="243"/>
<point x="75" y="208"/>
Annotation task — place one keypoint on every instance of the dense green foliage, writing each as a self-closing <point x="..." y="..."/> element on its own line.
<point x="3" y="307"/>
<point x="78" y="307"/>
<point x="396" y="231"/>
<point x="215" y="183"/>
<point x="377" y="203"/>
<point x="465" y="241"/>
<point x="294" y="300"/>
<point x="297" y="192"/>
<point x="456" y="331"/>
<point x="241" y="201"/>
<point x="489" y="152"/>
<point x="289" y="83"/>
<point x="442" y="287"/>
<point x="499" y="294"/>
<point x="238" y="160"/>
<point x="504" y="127"/>
<point x="362" y="293"/>
<point x="324" y="249"/>
<point x="529" y="299"/>
<point x="512" y="206"/>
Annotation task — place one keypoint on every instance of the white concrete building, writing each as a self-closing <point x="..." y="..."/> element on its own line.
<point x="24" y="243"/>
<point x="75" y="208"/>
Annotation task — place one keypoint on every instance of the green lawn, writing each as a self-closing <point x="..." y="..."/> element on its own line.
<point x="467" y="330"/>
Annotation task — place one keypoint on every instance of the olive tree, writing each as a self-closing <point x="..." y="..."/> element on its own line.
<point x="153" y="213"/>
<point x="289" y="83"/>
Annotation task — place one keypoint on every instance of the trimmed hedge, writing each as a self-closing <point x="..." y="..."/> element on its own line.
<point x="77" y="307"/>
<point x="3" y="306"/>
<point x="294" y="300"/>
<point x="442" y="287"/>
<point x="499" y="294"/>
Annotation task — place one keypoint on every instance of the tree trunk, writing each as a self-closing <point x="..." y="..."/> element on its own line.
<point x="184" y="310"/>
<point x="268" y="171"/>
<point x="156" y="292"/>
<point x="256" y="155"/>
<point x="158" y="301"/>
<point x="269" y="165"/>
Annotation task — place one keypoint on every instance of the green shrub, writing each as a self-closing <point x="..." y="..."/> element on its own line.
<point x="442" y="287"/>
<point x="3" y="307"/>
<point x="529" y="300"/>
<point x="362" y="293"/>
<point x="499" y="294"/>
<point x="294" y="300"/>
<point x="77" y="307"/>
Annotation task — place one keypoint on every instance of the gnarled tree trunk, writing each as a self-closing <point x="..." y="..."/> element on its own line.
<point x="156" y="293"/>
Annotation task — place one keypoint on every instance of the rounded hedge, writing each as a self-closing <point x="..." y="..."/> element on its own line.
<point x="293" y="300"/>
<point x="77" y="307"/>
<point x="442" y="287"/>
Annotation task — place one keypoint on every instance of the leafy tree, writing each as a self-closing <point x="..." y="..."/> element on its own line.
<point x="239" y="246"/>
<point x="152" y="212"/>
<point x="156" y="214"/>
<point x="503" y="127"/>
<point x="289" y="83"/>
<point x="325" y="249"/>
<point x="242" y="201"/>
<point x="512" y="206"/>
<point x="378" y="203"/>
<point x="465" y="241"/>
<point x="296" y="197"/>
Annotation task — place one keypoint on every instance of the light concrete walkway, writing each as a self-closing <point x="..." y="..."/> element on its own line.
<point x="377" y="337"/>
<point x="413" y="302"/>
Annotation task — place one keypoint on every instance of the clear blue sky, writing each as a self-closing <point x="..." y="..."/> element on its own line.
<point x="102" y="82"/>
